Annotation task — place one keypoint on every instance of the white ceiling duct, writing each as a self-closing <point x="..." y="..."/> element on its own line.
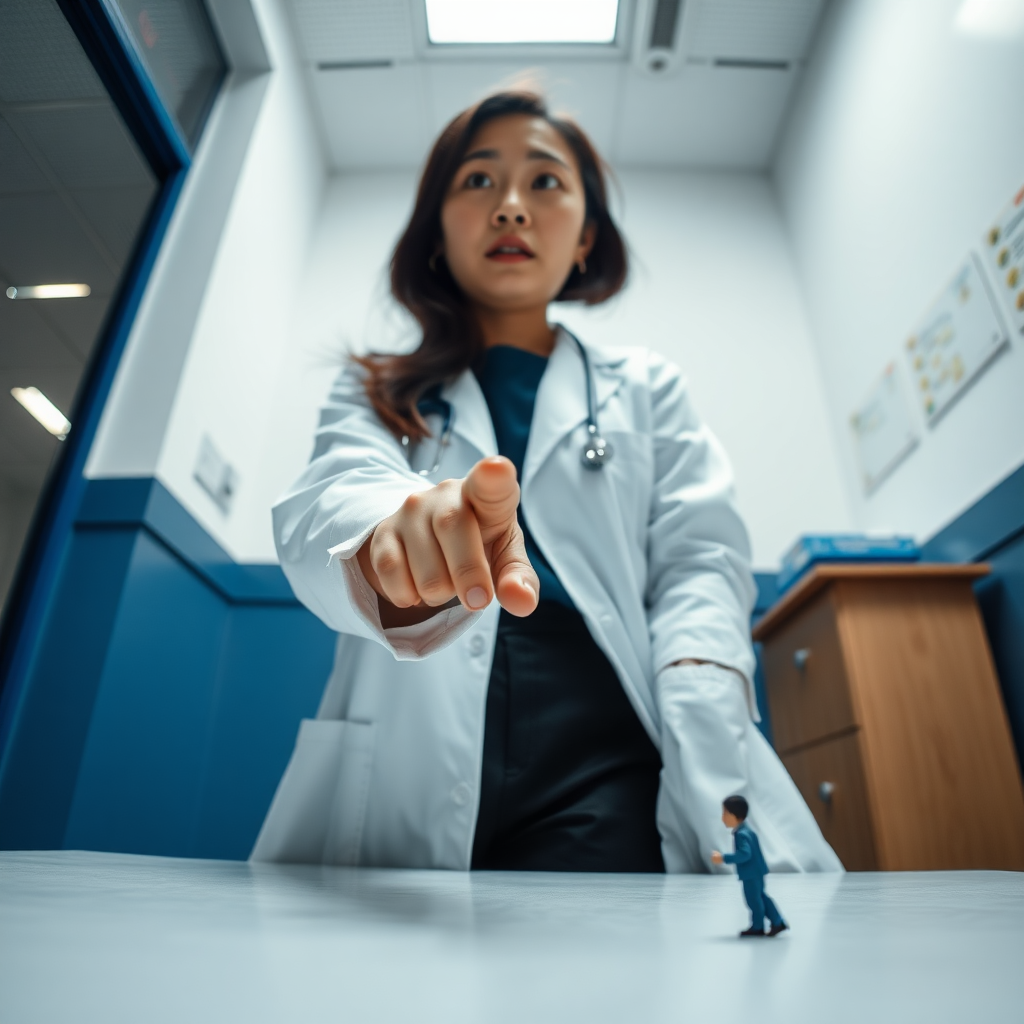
<point x="758" y="34"/>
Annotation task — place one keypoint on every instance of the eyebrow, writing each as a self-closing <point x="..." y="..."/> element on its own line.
<point x="533" y="154"/>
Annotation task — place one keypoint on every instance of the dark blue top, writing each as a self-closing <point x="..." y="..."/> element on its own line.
<point x="509" y="378"/>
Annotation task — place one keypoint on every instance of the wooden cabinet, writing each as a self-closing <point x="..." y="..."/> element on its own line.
<point x="887" y="712"/>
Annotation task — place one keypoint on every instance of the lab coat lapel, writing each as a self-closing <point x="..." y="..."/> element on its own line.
<point x="562" y="397"/>
<point x="472" y="418"/>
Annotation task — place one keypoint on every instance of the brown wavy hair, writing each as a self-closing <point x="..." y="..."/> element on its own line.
<point x="421" y="282"/>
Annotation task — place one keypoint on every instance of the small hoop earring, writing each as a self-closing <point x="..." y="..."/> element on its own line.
<point x="581" y="266"/>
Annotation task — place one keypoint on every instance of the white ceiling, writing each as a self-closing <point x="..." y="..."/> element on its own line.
<point x="382" y="93"/>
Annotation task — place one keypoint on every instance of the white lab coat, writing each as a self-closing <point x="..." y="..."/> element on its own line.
<point x="652" y="553"/>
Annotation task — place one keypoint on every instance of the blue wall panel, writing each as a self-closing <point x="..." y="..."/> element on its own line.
<point x="165" y="700"/>
<point x="196" y="714"/>
<point x="141" y="774"/>
<point x="273" y="670"/>
<point x="40" y="761"/>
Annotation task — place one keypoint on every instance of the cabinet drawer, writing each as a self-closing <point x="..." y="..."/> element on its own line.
<point x="805" y="679"/>
<point x="842" y="811"/>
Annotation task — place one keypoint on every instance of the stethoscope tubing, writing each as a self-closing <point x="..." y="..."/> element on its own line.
<point x="596" y="450"/>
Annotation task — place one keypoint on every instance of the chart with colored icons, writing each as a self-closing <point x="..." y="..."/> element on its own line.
<point x="955" y="340"/>
<point x="1004" y="250"/>
<point x="883" y="429"/>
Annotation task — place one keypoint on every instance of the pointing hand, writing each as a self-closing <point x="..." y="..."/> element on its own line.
<point x="459" y="539"/>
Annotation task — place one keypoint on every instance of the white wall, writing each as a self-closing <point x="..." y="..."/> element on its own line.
<point x="243" y="334"/>
<point x="342" y="305"/>
<point x="906" y="140"/>
<point x="713" y="289"/>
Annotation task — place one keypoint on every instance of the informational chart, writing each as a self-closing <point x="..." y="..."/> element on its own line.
<point x="883" y="429"/>
<point x="954" y="341"/>
<point x="1004" y="249"/>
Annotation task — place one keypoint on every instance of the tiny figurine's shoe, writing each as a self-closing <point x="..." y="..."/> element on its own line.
<point x="753" y="933"/>
<point x="777" y="928"/>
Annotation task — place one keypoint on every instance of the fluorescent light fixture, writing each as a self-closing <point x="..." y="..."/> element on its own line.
<point x="521" y="21"/>
<point x="44" y="410"/>
<point x="992" y="18"/>
<point x="49" y="291"/>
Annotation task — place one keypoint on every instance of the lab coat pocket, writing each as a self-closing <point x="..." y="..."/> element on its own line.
<point x="319" y="808"/>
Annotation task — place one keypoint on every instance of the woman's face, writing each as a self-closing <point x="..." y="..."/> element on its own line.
<point x="513" y="218"/>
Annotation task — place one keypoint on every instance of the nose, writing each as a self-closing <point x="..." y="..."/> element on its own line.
<point x="510" y="211"/>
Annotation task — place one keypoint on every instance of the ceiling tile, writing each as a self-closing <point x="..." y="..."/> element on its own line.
<point x="40" y="242"/>
<point x="749" y="29"/>
<point x="373" y="117"/>
<point x="28" y="342"/>
<point x="586" y="90"/>
<point x="78" y="321"/>
<point x="116" y="214"/>
<point x="702" y="117"/>
<point x="40" y="58"/>
<point x="344" y="31"/>
<point x="18" y="171"/>
<point x="87" y="147"/>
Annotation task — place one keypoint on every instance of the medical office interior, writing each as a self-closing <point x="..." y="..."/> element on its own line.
<point x="824" y="203"/>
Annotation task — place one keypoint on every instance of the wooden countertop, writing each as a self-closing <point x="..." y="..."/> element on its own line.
<point x="822" y="575"/>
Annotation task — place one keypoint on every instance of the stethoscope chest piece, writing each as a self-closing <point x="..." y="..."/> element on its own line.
<point x="596" y="450"/>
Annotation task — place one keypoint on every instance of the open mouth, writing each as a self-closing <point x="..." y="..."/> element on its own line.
<point x="509" y="250"/>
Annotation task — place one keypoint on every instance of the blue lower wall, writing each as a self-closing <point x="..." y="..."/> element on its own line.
<point x="162" y="704"/>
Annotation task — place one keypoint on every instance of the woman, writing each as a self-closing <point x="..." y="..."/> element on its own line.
<point x="549" y="674"/>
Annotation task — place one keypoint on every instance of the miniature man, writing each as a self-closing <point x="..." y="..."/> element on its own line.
<point x="750" y="867"/>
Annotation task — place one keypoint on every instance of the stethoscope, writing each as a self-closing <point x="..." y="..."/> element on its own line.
<point x="596" y="450"/>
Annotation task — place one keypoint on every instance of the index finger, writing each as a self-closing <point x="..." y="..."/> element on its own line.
<point x="458" y="534"/>
<point x="491" y="489"/>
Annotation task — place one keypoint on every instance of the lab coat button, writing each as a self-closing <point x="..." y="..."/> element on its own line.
<point x="477" y="645"/>
<point x="460" y="794"/>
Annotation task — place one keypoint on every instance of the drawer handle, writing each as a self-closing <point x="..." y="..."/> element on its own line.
<point x="801" y="657"/>
<point x="825" y="791"/>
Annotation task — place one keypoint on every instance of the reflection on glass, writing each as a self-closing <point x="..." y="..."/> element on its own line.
<point x="74" y="195"/>
<point x="181" y="53"/>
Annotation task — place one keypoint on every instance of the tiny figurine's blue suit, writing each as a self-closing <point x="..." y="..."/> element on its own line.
<point x="751" y="869"/>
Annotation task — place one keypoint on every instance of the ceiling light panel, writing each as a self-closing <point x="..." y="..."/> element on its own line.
<point x="756" y="30"/>
<point x="49" y="291"/>
<point x="488" y="22"/>
<point x="354" y="31"/>
<point x="43" y="410"/>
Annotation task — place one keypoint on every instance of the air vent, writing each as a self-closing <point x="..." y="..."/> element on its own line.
<point x="758" y="35"/>
<point x="663" y="24"/>
<point x="657" y="35"/>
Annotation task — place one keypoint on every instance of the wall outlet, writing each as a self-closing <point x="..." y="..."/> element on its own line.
<point x="215" y="475"/>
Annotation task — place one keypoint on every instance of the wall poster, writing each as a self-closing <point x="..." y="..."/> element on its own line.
<point x="1004" y="249"/>
<point x="883" y="429"/>
<point x="954" y="341"/>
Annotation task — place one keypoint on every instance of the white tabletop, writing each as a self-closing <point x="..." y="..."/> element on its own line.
<point x="88" y="937"/>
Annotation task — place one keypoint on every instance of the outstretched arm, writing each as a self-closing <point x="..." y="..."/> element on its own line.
<point x="359" y="495"/>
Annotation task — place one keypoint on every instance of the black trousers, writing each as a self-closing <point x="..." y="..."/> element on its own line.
<point x="570" y="776"/>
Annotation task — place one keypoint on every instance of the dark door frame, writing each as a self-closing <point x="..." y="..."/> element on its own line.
<point x="107" y="43"/>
